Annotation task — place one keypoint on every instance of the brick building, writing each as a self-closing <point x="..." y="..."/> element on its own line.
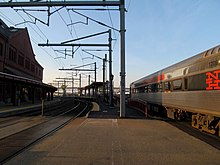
<point x="20" y="74"/>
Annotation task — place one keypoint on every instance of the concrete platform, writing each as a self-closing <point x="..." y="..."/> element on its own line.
<point x="96" y="141"/>
<point x="104" y="139"/>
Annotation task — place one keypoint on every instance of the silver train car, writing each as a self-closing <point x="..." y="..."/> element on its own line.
<point x="188" y="88"/>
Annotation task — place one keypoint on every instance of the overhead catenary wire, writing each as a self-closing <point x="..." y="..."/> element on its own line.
<point x="64" y="22"/>
<point x="74" y="29"/>
<point x="111" y="27"/>
<point x="44" y="36"/>
<point x="34" y="41"/>
<point x="71" y="29"/>
<point x="39" y="34"/>
<point x="98" y="22"/>
<point x="58" y="65"/>
<point x="110" y="17"/>
<point x="116" y="37"/>
<point x="129" y="3"/>
<point x="35" y="18"/>
<point x="7" y="18"/>
<point x="70" y="19"/>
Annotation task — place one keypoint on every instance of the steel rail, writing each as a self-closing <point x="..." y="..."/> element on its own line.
<point x="38" y="112"/>
<point x="7" y="155"/>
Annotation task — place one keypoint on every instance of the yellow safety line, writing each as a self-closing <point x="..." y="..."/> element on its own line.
<point x="95" y="106"/>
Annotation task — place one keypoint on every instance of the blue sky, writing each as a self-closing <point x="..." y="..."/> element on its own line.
<point x="159" y="34"/>
<point x="167" y="31"/>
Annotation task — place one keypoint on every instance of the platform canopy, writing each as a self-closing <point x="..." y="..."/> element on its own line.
<point x="94" y="85"/>
<point x="27" y="81"/>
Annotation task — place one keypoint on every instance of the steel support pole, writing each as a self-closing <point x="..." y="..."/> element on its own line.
<point x="110" y="70"/>
<point x="89" y="85"/>
<point x="42" y="108"/>
<point x="122" y="45"/>
<point x="103" y="89"/>
<point x="95" y="81"/>
<point x="72" y="84"/>
<point x="64" y="94"/>
<point x="58" y="89"/>
<point x="80" y="80"/>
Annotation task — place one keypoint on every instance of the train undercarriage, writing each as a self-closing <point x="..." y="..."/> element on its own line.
<point x="207" y="123"/>
<point x="203" y="122"/>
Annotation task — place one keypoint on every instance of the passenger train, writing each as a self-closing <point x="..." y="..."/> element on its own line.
<point x="188" y="88"/>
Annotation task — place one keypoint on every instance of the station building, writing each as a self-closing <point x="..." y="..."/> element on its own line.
<point x="20" y="73"/>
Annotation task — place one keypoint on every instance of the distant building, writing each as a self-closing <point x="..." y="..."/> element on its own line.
<point x="20" y="74"/>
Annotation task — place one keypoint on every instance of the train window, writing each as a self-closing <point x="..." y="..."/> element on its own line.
<point x="140" y="90"/>
<point x="212" y="51"/>
<point x="135" y="90"/>
<point x="167" y="86"/>
<point x="1" y="49"/>
<point x="177" y="84"/>
<point x="185" y="83"/>
<point x="1" y="89"/>
<point x="154" y="88"/>
<point x="215" y="50"/>
<point x="197" y="82"/>
<point x="146" y="89"/>
<point x="149" y="89"/>
<point x="160" y="87"/>
<point x="209" y="52"/>
<point x="205" y="54"/>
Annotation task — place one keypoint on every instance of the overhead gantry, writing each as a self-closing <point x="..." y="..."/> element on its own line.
<point x="116" y="3"/>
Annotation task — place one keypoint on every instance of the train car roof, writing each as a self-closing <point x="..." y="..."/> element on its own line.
<point x="183" y="63"/>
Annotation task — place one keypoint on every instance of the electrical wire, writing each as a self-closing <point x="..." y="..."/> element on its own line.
<point x="98" y="22"/>
<point x="7" y="18"/>
<point x="69" y="29"/>
<point x="129" y="3"/>
<point x="34" y="41"/>
<point x="58" y="65"/>
<point x="64" y="22"/>
<point x="74" y="29"/>
<point x="44" y="39"/>
<point x="111" y="27"/>
<point x="70" y="19"/>
<point x="110" y="17"/>
<point x="116" y="37"/>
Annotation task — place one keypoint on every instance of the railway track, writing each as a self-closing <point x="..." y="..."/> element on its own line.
<point x="33" y="113"/>
<point x="30" y="118"/>
<point x="15" y="143"/>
